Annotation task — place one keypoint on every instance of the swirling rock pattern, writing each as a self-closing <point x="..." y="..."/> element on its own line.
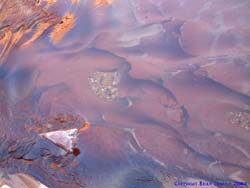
<point x="178" y="111"/>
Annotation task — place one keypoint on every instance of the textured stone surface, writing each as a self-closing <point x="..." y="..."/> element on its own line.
<point x="164" y="86"/>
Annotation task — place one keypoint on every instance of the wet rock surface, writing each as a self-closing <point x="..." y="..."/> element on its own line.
<point x="122" y="94"/>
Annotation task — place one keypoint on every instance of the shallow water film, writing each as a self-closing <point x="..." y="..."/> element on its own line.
<point x="124" y="93"/>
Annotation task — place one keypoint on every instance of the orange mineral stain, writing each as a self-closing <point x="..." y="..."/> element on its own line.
<point x="75" y="1"/>
<point x="60" y="29"/>
<point x="54" y="165"/>
<point x="49" y="2"/>
<point x="20" y="17"/>
<point x="85" y="126"/>
<point x="6" y="37"/>
<point x="11" y="39"/>
<point x="102" y="2"/>
<point x="42" y="27"/>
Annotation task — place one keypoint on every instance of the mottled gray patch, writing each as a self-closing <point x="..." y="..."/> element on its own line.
<point x="105" y="84"/>
<point x="241" y="119"/>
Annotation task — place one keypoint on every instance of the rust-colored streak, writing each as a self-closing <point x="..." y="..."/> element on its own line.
<point x="67" y="23"/>
<point x="6" y="37"/>
<point x="11" y="40"/>
<point x="102" y="2"/>
<point x="18" y="18"/>
<point x="85" y="126"/>
<point x="49" y="2"/>
<point x="42" y="27"/>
